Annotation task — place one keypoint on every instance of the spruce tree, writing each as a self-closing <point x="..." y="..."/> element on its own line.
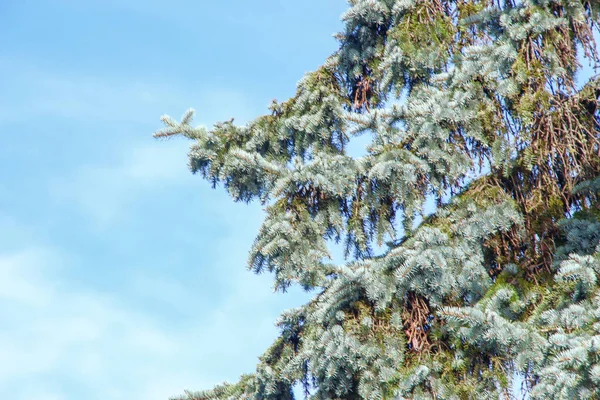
<point x="477" y="105"/>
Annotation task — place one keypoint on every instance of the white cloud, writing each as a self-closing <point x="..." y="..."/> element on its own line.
<point x="54" y="330"/>
<point x="103" y="189"/>
<point x="49" y="321"/>
<point x="42" y="392"/>
<point x="90" y="338"/>
<point x="40" y="93"/>
<point x="44" y="93"/>
<point x="103" y="192"/>
<point x="156" y="162"/>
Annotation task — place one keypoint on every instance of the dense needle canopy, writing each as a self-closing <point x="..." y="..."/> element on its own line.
<point x="477" y="105"/>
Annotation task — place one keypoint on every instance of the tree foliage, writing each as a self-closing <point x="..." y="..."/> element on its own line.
<point x="475" y="104"/>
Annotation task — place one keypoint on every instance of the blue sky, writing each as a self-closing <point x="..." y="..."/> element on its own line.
<point x="122" y="276"/>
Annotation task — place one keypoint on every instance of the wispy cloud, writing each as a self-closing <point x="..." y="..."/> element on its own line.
<point x="103" y="187"/>
<point x="55" y="329"/>
<point x="43" y="92"/>
<point x="53" y="333"/>
<point x="103" y="192"/>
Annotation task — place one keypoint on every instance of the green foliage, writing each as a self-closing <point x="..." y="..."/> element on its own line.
<point x="472" y="104"/>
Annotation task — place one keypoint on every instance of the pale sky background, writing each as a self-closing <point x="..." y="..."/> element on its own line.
<point x="122" y="276"/>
